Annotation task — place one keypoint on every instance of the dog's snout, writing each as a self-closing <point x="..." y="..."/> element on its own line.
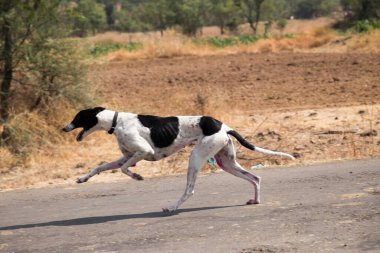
<point x="68" y="128"/>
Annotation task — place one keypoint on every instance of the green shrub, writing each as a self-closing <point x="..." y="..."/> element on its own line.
<point x="248" y="39"/>
<point x="281" y="24"/>
<point x="106" y="48"/>
<point x="289" y="35"/>
<point x="226" y="42"/>
<point x="363" y="26"/>
<point x="222" y="42"/>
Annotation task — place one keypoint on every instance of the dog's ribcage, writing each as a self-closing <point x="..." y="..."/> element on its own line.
<point x="163" y="135"/>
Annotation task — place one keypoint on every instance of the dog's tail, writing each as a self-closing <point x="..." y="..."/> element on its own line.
<point x="248" y="145"/>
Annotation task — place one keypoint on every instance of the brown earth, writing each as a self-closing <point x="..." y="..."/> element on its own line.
<point x="319" y="106"/>
<point x="245" y="82"/>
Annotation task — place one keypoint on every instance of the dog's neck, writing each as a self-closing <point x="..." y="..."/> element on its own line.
<point x="105" y="119"/>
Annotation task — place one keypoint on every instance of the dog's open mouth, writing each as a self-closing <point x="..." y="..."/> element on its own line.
<point x="80" y="135"/>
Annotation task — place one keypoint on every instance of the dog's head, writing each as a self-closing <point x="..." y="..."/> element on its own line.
<point x="86" y="119"/>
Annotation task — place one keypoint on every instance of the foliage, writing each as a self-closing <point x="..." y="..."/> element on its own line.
<point x="224" y="14"/>
<point x="191" y="15"/>
<point x="157" y="13"/>
<point x="362" y="9"/>
<point x="39" y="66"/>
<point x="360" y="15"/>
<point x="228" y="41"/>
<point x="127" y="21"/>
<point x="281" y="24"/>
<point x="366" y="25"/>
<point x="106" y="48"/>
<point x="88" y="16"/>
<point x="55" y="70"/>
<point x="251" y="11"/>
<point x="306" y="9"/>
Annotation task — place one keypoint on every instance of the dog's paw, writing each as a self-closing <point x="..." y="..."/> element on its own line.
<point x="82" y="180"/>
<point x="137" y="177"/>
<point x="169" y="209"/>
<point x="253" y="202"/>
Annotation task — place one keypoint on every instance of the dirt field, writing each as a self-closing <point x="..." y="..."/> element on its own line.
<point x="319" y="107"/>
<point x="243" y="82"/>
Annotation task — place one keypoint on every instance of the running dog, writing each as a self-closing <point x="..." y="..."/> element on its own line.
<point x="151" y="138"/>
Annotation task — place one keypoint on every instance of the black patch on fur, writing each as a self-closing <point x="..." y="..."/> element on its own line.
<point x="87" y="118"/>
<point x="163" y="130"/>
<point x="240" y="138"/>
<point x="209" y="125"/>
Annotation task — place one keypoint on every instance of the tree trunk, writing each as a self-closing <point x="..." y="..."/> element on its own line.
<point x="7" y="71"/>
<point x="258" y="12"/>
<point x="7" y="79"/>
<point x="253" y="27"/>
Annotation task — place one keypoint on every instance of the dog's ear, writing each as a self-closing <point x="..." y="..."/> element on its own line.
<point x="98" y="109"/>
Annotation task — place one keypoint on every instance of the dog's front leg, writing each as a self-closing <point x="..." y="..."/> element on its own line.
<point x="108" y="166"/>
<point x="138" y="156"/>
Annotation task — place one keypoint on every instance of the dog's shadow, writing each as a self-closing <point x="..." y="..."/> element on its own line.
<point x="103" y="219"/>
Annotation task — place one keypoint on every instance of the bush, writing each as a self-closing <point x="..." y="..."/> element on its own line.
<point x="363" y="26"/>
<point x="281" y="24"/>
<point x="55" y="70"/>
<point x="229" y="41"/>
<point x="54" y="79"/>
<point x="249" y="39"/>
<point x="106" y="48"/>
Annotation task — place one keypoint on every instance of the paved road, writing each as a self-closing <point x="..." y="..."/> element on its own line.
<point x="322" y="208"/>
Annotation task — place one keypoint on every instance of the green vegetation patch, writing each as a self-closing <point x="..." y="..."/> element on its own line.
<point x="101" y="49"/>
<point x="228" y="41"/>
<point x="363" y="26"/>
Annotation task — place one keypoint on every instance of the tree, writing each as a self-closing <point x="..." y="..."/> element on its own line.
<point x="224" y="13"/>
<point x="276" y="10"/>
<point x="88" y="16"/>
<point x="363" y="9"/>
<point x="157" y="13"/>
<point x="109" y="7"/>
<point x="307" y="9"/>
<point x="33" y="56"/>
<point x="20" y="23"/>
<point x="191" y="15"/>
<point x="251" y="10"/>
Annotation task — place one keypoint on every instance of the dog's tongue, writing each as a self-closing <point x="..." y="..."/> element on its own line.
<point x="80" y="135"/>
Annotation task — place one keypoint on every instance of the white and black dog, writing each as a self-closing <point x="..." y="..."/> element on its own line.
<point x="151" y="138"/>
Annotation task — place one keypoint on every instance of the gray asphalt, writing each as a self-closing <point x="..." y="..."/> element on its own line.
<point x="322" y="208"/>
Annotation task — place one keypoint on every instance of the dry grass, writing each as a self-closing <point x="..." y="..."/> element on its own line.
<point x="312" y="34"/>
<point x="365" y="43"/>
<point x="308" y="36"/>
<point x="174" y="45"/>
<point x="302" y="131"/>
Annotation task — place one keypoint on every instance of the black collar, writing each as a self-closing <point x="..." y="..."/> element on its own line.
<point x="112" y="129"/>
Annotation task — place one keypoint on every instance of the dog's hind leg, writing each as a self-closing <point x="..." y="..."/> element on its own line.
<point x="226" y="159"/>
<point x="205" y="148"/>
<point x="108" y="166"/>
